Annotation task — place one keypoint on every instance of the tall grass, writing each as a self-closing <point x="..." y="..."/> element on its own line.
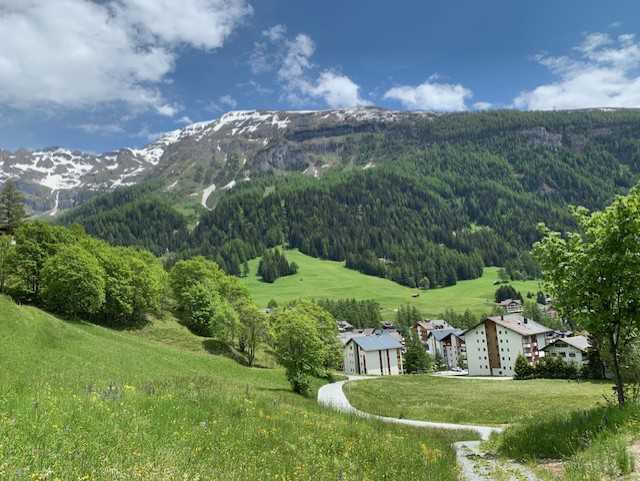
<point x="82" y="403"/>
<point x="564" y="435"/>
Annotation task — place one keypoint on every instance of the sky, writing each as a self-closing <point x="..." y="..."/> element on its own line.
<point x="99" y="75"/>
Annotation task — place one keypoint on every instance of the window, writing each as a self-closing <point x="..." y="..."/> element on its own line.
<point x="563" y="354"/>
<point x="572" y="354"/>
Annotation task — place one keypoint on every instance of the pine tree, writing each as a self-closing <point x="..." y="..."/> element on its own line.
<point x="12" y="212"/>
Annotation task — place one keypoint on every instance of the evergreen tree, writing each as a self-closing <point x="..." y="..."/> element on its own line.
<point x="12" y="212"/>
<point x="416" y="359"/>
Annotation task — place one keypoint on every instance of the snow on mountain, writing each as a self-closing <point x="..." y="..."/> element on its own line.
<point x="244" y="133"/>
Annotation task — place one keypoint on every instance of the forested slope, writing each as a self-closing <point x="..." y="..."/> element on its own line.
<point x="424" y="202"/>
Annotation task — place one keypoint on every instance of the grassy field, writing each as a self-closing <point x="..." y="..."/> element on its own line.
<point x="318" y="279"/>
<point x="470" y="401"/>
<point x="83" y="403"/>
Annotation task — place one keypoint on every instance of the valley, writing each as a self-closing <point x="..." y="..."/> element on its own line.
<point x="323" y="279"/>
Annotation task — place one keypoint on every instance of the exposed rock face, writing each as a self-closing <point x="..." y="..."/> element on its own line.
<point x="228" y="149"/>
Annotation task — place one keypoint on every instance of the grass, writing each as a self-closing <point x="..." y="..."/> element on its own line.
<point x="593" y="444"/>
<point x="82" y="403"/>
<point x="318" y="279"/>
<point x="470" y="401"/>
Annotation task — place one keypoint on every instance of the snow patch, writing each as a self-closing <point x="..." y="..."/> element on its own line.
<point x="54" y="211"/>
<point x="368" y="166"/>
<point x="230" y="185"/>
<point x="205" y="195"/>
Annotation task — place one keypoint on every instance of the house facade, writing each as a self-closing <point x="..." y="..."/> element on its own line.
<point x="377" y="355"/>
<point x="423" y="328"/>
<point x="511" y="306"/>
<point x="571" y="349"/>
<point x="449" y="345"/>
<point x="493" y="346"/>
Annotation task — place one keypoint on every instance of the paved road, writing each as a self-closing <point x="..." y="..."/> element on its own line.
<point x="333" y="396"/>
<point x="474" y="464"/>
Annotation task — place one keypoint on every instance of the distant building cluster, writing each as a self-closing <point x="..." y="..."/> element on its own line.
<point x="490" y="348"/>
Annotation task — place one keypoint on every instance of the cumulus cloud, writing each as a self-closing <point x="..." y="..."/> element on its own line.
<point x="225" y="102"/>
<point x="482" y="105"/>
<point x="78" y="53"/>
<point x="601" y="72"/>
<point x="301" y="82"/>
<point x="431" y="95"/>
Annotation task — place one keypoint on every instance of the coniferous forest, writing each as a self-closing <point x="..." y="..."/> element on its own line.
<point x="442" y="198"/>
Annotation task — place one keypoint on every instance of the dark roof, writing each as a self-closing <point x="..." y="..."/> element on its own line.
<point x="441" y="334"/>
<point x="579" y="342"/>
<point x="376" y="343"/>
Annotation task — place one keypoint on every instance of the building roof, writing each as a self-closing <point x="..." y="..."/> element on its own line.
<point x="433" y="324"/>
<point x="579" y="342"/>
<point x="376" y="343"/>
<point x="506" y="302"/>
<point x="517" y="323"/>
<point x="440" y="334"/>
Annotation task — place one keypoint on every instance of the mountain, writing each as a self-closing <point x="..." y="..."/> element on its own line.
<point x="422" y="199"/>
<point x="196" y="160"/>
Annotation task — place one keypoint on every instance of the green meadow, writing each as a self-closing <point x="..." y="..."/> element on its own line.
<point x="473" y="401"/>
<point x="317" y="279"/>
<point x="80" y="402"/>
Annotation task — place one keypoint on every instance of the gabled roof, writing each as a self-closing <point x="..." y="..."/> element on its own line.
<point x="506" y="302"/>
<point x="433" y="324"/>
<point x="376" y="343"/>
<point x="579" y="342"/>
<point x="440" y="334"/>
<point x="516" y="323"/>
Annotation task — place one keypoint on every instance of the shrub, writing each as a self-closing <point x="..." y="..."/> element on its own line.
<point x="522" y="369"/>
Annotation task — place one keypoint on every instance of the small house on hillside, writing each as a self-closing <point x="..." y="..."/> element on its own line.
<point x="448" y="344"/>
<point x="494" y="345"/>
<point x="511" y="306"/>
<point x="423" y="328"/>
<point x="378" y="355"/>
<point x="571" y="349"/>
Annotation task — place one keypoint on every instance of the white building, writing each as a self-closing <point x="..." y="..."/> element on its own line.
<point x="511" y="306"/>
<point x="448" y="344"/>
<point x="377" y="355"/>
<point x="571" y="349"/>
<point x="494" y="345"/>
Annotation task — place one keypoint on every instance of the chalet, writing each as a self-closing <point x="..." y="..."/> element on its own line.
<point x="511" y="306"/>
<point x="448" y="344"/>
<point x="378" y="355"/>
<point x="494" y="345"/>
<point x="423" y="328"/>
<point x="571" y="349"/>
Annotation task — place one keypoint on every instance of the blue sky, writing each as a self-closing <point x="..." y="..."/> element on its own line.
<point x="101" y="75"/>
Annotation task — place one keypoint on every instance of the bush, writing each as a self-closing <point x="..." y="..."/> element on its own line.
<point x="522" y="369"/>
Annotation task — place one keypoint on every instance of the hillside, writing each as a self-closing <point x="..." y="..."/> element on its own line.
<point x="320" y="279"/>
<point x="84" y="402"/>
<point x="424" y="200"/>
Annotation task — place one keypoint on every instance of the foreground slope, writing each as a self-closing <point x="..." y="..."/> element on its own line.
<point x="323" y="279"/>
<point x="80" y="402"/>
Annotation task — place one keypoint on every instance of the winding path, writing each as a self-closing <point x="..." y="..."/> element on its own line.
<point x="474" y="464"/>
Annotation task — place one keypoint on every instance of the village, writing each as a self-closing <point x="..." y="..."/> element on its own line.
<point x="489" y="349"/>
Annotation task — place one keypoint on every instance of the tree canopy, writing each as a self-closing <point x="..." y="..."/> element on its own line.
<point x="592" y="275"/>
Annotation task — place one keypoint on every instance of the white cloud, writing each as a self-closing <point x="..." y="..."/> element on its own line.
<point x="228" y="101"/>
<point x="79" y="54"/>
<point x="482" y="105"/>
<point x="185" y="120"/>
<point x="101" y="129"/>
<point x="602" y="72"/>
<point x="301" y="83"/>
<point x="431" y="95"/>
<point x="337" y="90"/>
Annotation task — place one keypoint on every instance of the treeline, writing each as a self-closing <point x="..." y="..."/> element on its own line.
<point x="133" y="216"/>
<point x="274" y="264"/>
<point x="360" y="314"/>
<point x="70" y="273"/>
<point x="447" y="196"/>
